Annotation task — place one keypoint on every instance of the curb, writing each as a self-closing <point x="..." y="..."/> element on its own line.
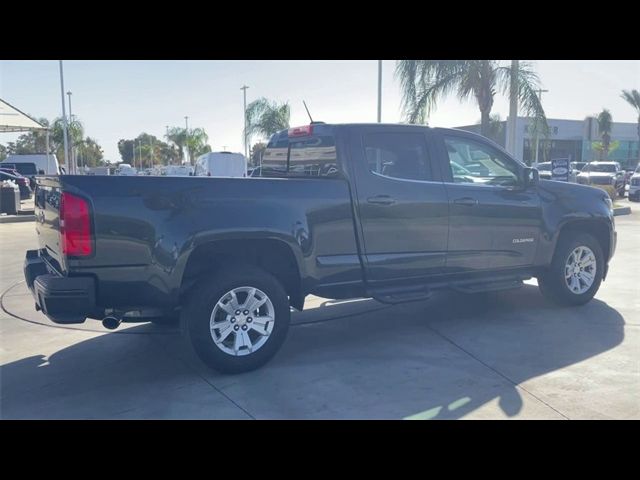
<point x="17" y="218"/>
<point x="621" y="211"/>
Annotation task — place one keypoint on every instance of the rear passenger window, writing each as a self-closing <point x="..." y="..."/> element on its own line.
<point x="398" y="155"/>
<point x="300" y="157"/>
<point x="314" y="156"/>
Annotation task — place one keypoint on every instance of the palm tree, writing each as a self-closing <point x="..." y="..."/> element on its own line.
<point x="605" y="122"/>
<point x="264" y="118"/>
<point x="75" y="131"/>
<point x="633" y="98"/>
<point x="496" y="127"/>
<point x="424" y="82"/>
<point x="178" y="136"/>
<point x="196" y="143"/>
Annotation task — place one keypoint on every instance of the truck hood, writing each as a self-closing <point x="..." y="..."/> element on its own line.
<point x="583" y="192"/>
<point x="596" y="174"/>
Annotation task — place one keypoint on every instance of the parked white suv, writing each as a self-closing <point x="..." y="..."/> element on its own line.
<point x="634" y="186"/>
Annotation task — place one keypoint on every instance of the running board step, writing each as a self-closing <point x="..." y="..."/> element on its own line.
<point x="489" y="286"/>
<point x="396" y="295"/>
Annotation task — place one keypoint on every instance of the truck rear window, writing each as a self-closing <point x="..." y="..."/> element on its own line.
<point x="26" y="168"/>
<point x="313" y="156"/>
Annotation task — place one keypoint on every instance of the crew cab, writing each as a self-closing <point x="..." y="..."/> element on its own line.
<point x="391" y="212"/>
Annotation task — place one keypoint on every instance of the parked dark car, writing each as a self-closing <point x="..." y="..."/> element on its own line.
<point x="23" y="183"/>
<point x="353" y="210"/>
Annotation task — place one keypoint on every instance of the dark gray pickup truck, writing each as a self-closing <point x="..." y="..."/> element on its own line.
<point x="384" y="211"/>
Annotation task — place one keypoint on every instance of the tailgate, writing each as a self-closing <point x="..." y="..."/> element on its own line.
<point x="47" y="208"/>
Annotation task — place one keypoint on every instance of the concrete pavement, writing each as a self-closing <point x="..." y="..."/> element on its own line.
<point x="501" y="355"/>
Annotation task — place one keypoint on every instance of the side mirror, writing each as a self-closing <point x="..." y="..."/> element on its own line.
<point x="40" y="172"/>
<point x="531" y="176"/>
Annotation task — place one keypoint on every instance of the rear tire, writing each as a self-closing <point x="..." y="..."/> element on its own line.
<point x="566" y="282"/>
<point x="230" y="342"/>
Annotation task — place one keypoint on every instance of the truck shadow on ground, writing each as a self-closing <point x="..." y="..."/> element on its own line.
<point x="438" y="359"/>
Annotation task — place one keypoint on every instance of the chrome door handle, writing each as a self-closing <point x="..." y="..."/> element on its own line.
<point x="381" y="200"/>
<point x="466" y="201"/>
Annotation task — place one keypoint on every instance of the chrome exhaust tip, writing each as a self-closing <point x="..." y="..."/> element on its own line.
<point x="111" y="322"/>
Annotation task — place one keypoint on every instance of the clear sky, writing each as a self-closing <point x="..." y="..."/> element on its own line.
<point x="120" y="99"/>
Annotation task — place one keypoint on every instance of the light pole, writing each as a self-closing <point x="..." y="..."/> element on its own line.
<point x="244" y="91"/>
<point x="72" y="155"/>
<point x="186" y="138"/>
<point x="513" y="108"/>
<point x="150" y="151"/>
<point x="379" y="91"/>
<point x="535" y="164"/>
<point x="166" y="135"/>
<point x="64" y="121"/>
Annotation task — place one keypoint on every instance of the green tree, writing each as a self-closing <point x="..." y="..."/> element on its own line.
<point x="605" y="124"/>
<point x="34" y="141"/>
<point x="89" y="153"/>
<point x="125" y="148"/>
<point x="149" y="150"/>
<point x="600" y="148"/>
<point x="264" y="118"/>
<point x="633" y="98"/>
<point x="256" y="153"/>
<point x="425" y="82"/>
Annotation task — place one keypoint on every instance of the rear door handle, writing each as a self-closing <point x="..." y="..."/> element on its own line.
<point x="381" y="200"/>
<point x="466" y="201"/>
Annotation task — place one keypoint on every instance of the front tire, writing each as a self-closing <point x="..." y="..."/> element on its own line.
<point x="237" y="319"/>
<point x="576" y="271"/>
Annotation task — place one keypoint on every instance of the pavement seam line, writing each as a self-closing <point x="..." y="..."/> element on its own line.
<point x="202" y="377"/>
<point x="516" y="385"/>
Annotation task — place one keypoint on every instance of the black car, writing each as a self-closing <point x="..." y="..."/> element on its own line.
<point x="23" y="183"/>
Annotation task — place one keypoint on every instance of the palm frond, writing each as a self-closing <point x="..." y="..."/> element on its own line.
<point x="527" y="83"/>
<point x="264" y="118"/>
<point x="632" y="97"/>
<point x="423" y="82"/>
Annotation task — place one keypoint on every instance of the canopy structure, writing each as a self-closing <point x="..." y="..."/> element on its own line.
<point x="13" y="120"/>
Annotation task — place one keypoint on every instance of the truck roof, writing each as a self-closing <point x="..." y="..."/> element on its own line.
<point x="320" y="128"/>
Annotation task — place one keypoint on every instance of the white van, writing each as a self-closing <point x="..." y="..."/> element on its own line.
<point x="221" y="164"/>
<point x="43" y="165"/>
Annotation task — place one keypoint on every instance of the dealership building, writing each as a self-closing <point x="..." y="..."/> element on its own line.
<point x="570" y="139"/>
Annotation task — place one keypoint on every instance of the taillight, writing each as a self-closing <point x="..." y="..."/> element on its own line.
<point x="75" y="226"/>
<point x="300" y="131"/>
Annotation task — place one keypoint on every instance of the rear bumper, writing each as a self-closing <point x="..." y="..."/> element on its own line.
<point x="62" y="299"/>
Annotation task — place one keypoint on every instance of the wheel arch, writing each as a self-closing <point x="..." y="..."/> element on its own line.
<point x="599" y="229"/>
<point x="273" y="255"/>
